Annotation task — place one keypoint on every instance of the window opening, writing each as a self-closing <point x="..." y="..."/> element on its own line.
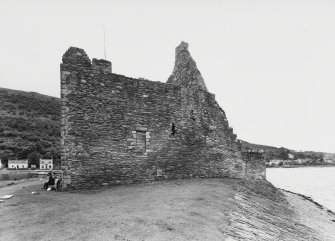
<point x="141" y="141"/>
<point x="173" y="129"/>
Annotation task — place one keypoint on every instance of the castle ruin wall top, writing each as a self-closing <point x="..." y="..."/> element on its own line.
<point x="76" y="56"/>
<point x="102" y="64"/>
<point x="185" y="72"/>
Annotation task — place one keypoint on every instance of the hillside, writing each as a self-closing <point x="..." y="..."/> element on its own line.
<point x="282" y="153"/>
<point x="30" y="122"/>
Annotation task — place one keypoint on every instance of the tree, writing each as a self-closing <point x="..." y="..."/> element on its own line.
<point x="34" y="159"/>
<point x="23" y="153"/>
<point x="283" y="153"/>
<point x="5" y="156"/>
<point x="4" y="160"/>
<point x="48" y="155"/>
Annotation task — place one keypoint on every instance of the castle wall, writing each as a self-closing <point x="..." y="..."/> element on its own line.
<point x="255" y="164"/>
<point x="118" y="130"/>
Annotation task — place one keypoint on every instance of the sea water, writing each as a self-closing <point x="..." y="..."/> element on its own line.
<point x="315" y="182"/>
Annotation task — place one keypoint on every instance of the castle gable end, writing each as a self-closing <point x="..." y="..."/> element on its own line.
<point x="185" y="72"/>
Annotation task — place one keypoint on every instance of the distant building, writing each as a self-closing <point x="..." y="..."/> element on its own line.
<point x="299" y="161"/>
<point x="275" y="162"/>
<point x="46" y="164"/>
<point x="290" y="156"/>
<point x="302" y="161"/>
<point x="17" y="164"/>
<point x="329" y="161"/>
<point x="289" y="162"/>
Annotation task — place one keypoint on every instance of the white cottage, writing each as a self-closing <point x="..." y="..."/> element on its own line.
<point x="275" y="162"/>
<point x="46" y="164"/>
<point x="17" y="164"/>
<point x="290" y="156"/>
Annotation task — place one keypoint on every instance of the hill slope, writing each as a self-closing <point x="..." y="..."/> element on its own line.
<point x="282" y="153"/>
<point x="29" y="122"/>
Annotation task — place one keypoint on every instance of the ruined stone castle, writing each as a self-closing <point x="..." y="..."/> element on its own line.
<point x="120" y="130"/>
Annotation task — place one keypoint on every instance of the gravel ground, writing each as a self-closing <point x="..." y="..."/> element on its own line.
<point x="199" y="209"/>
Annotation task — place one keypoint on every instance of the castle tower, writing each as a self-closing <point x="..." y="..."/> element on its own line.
<point x="185" y="72"/>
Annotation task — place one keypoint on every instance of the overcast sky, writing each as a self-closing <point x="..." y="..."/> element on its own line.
<point x="271" y="64"/>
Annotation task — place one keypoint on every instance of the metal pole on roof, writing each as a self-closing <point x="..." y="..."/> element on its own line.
<point x="104" y="42"/>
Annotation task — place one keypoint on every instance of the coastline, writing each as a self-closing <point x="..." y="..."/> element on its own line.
<point x="307" y="198"/>
<point x="301" y="166"/>
<point x="312" y="214"/>
<point x="313" y="182"/>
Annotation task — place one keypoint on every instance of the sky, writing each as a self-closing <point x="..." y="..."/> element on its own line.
<point x="270" y="64"/>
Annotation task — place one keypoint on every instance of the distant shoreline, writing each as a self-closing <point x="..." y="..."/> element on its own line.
<point x="310" y="200"/>
<point x="300" y="166"/>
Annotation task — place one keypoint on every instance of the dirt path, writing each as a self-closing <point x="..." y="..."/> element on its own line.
<point x="208" y="209"/>
<point x="11" y="185"/>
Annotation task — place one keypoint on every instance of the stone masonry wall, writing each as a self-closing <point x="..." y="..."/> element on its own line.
<point x="255" y="164"/>
<point x="119" y="130"/>
<point x="185" y="72"/>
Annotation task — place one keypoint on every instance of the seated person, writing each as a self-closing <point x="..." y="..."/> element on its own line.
<point x="51" y="180"/>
